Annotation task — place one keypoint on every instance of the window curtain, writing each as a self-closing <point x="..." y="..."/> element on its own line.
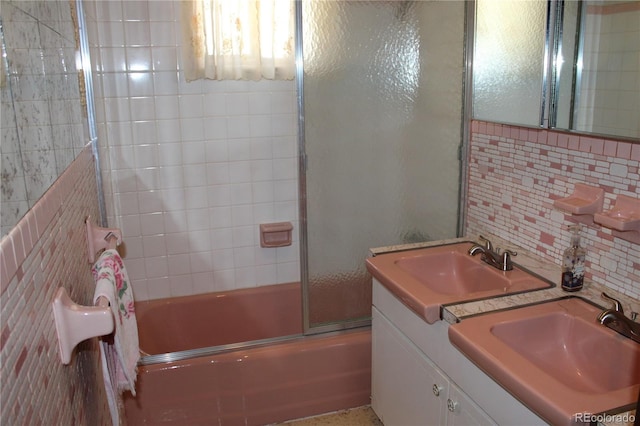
<point x="238" y="39"/>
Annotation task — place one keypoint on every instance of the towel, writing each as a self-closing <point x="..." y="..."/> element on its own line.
<point x="119" y="356"/>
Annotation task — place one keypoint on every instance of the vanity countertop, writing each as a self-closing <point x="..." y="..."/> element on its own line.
<point x="453" y="313"/>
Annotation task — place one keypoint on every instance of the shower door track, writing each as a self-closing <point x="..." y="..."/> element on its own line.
<point x="220" y="349"/>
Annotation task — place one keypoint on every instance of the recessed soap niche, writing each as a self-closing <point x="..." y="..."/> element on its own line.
<point x="586" y="205"/>
<point x="275" y="234"/>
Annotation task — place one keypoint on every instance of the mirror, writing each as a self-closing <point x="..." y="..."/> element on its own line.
<point x="568" y="65"/>
<point x="599" y="56"/>
<point x="508" y="61"/>
<point x="43" y="121"/>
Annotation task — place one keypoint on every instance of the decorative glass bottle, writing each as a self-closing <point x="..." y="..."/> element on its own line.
<point x="573" y="262"/>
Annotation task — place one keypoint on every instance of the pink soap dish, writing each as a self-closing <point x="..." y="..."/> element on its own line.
<point x="584" y="200"/>
<point x="275" y="234"/>
<point x="624" y="216"/>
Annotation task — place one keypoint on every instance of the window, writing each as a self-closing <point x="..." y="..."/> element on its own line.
<point x="238" y="39"/>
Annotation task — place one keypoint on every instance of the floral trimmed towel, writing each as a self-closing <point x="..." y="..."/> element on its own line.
<point x="120" y="356"/>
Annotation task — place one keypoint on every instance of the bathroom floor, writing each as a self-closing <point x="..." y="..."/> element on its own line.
<point x="361" y="416"/>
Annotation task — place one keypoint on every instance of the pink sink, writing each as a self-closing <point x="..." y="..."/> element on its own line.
<point x="425" y="279"/>
<point x="554" y="357"/>
<point x="452" y="272"/>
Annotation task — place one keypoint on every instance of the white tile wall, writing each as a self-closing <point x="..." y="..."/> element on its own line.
<point x="194" y="167"/>
<point x="611" y="73"/>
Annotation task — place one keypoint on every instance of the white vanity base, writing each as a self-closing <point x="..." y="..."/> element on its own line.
<point x="419" y="378"/>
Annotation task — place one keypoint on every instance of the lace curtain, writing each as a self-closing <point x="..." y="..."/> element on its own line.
<point x="238" y="39"/>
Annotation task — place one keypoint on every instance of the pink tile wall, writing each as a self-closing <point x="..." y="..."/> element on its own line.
<point x="190" y="169"/>
<point x="516" y="173"/>
<point x="46" y="250"/>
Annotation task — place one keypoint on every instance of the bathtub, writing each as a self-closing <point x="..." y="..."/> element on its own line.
<point x="197" y="373"/>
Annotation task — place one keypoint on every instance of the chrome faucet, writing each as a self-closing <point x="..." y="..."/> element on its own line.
<point x="493" y="257"/>
<point x="616" y="320"/>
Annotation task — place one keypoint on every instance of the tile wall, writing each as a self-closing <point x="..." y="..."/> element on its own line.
<point x="516" y="173"/>
<point x="42" y="118"/>
<point x="611" y="72"/>
<point x="47" y="250"/>
<point x="190" y="169"/>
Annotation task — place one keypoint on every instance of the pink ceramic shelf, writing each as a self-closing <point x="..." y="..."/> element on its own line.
<point x="624" y="216"/>
<point x="584" y="200"/>
<point x="623" y="219"/>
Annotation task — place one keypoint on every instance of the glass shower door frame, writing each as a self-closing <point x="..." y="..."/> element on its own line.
<point x="302" y="191"/>
<point x="308" y="328"/>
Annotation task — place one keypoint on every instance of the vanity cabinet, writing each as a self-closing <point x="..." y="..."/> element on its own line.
<point x="408" y="389"/>
<point x="419" y="378"/>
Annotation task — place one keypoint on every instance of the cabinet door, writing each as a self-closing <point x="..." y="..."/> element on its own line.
<point x="462" y="411"/>
<point x="406" y="387"/>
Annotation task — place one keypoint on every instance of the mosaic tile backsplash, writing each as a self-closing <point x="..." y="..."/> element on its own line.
<point x="516" y="173"/>
<point x="47" y="250"/>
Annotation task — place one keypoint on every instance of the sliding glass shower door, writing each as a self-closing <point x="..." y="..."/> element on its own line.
<point x="382" y="87"/>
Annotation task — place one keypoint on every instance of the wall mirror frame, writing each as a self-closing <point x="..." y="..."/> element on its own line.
<point x="568" y="65"/>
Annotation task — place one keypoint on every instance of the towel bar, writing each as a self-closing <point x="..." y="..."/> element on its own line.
<point x="101" y="238"/>
<point x="75" y="323"/>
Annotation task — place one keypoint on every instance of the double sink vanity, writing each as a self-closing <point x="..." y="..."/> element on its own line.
<point x="462" y="334"/>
